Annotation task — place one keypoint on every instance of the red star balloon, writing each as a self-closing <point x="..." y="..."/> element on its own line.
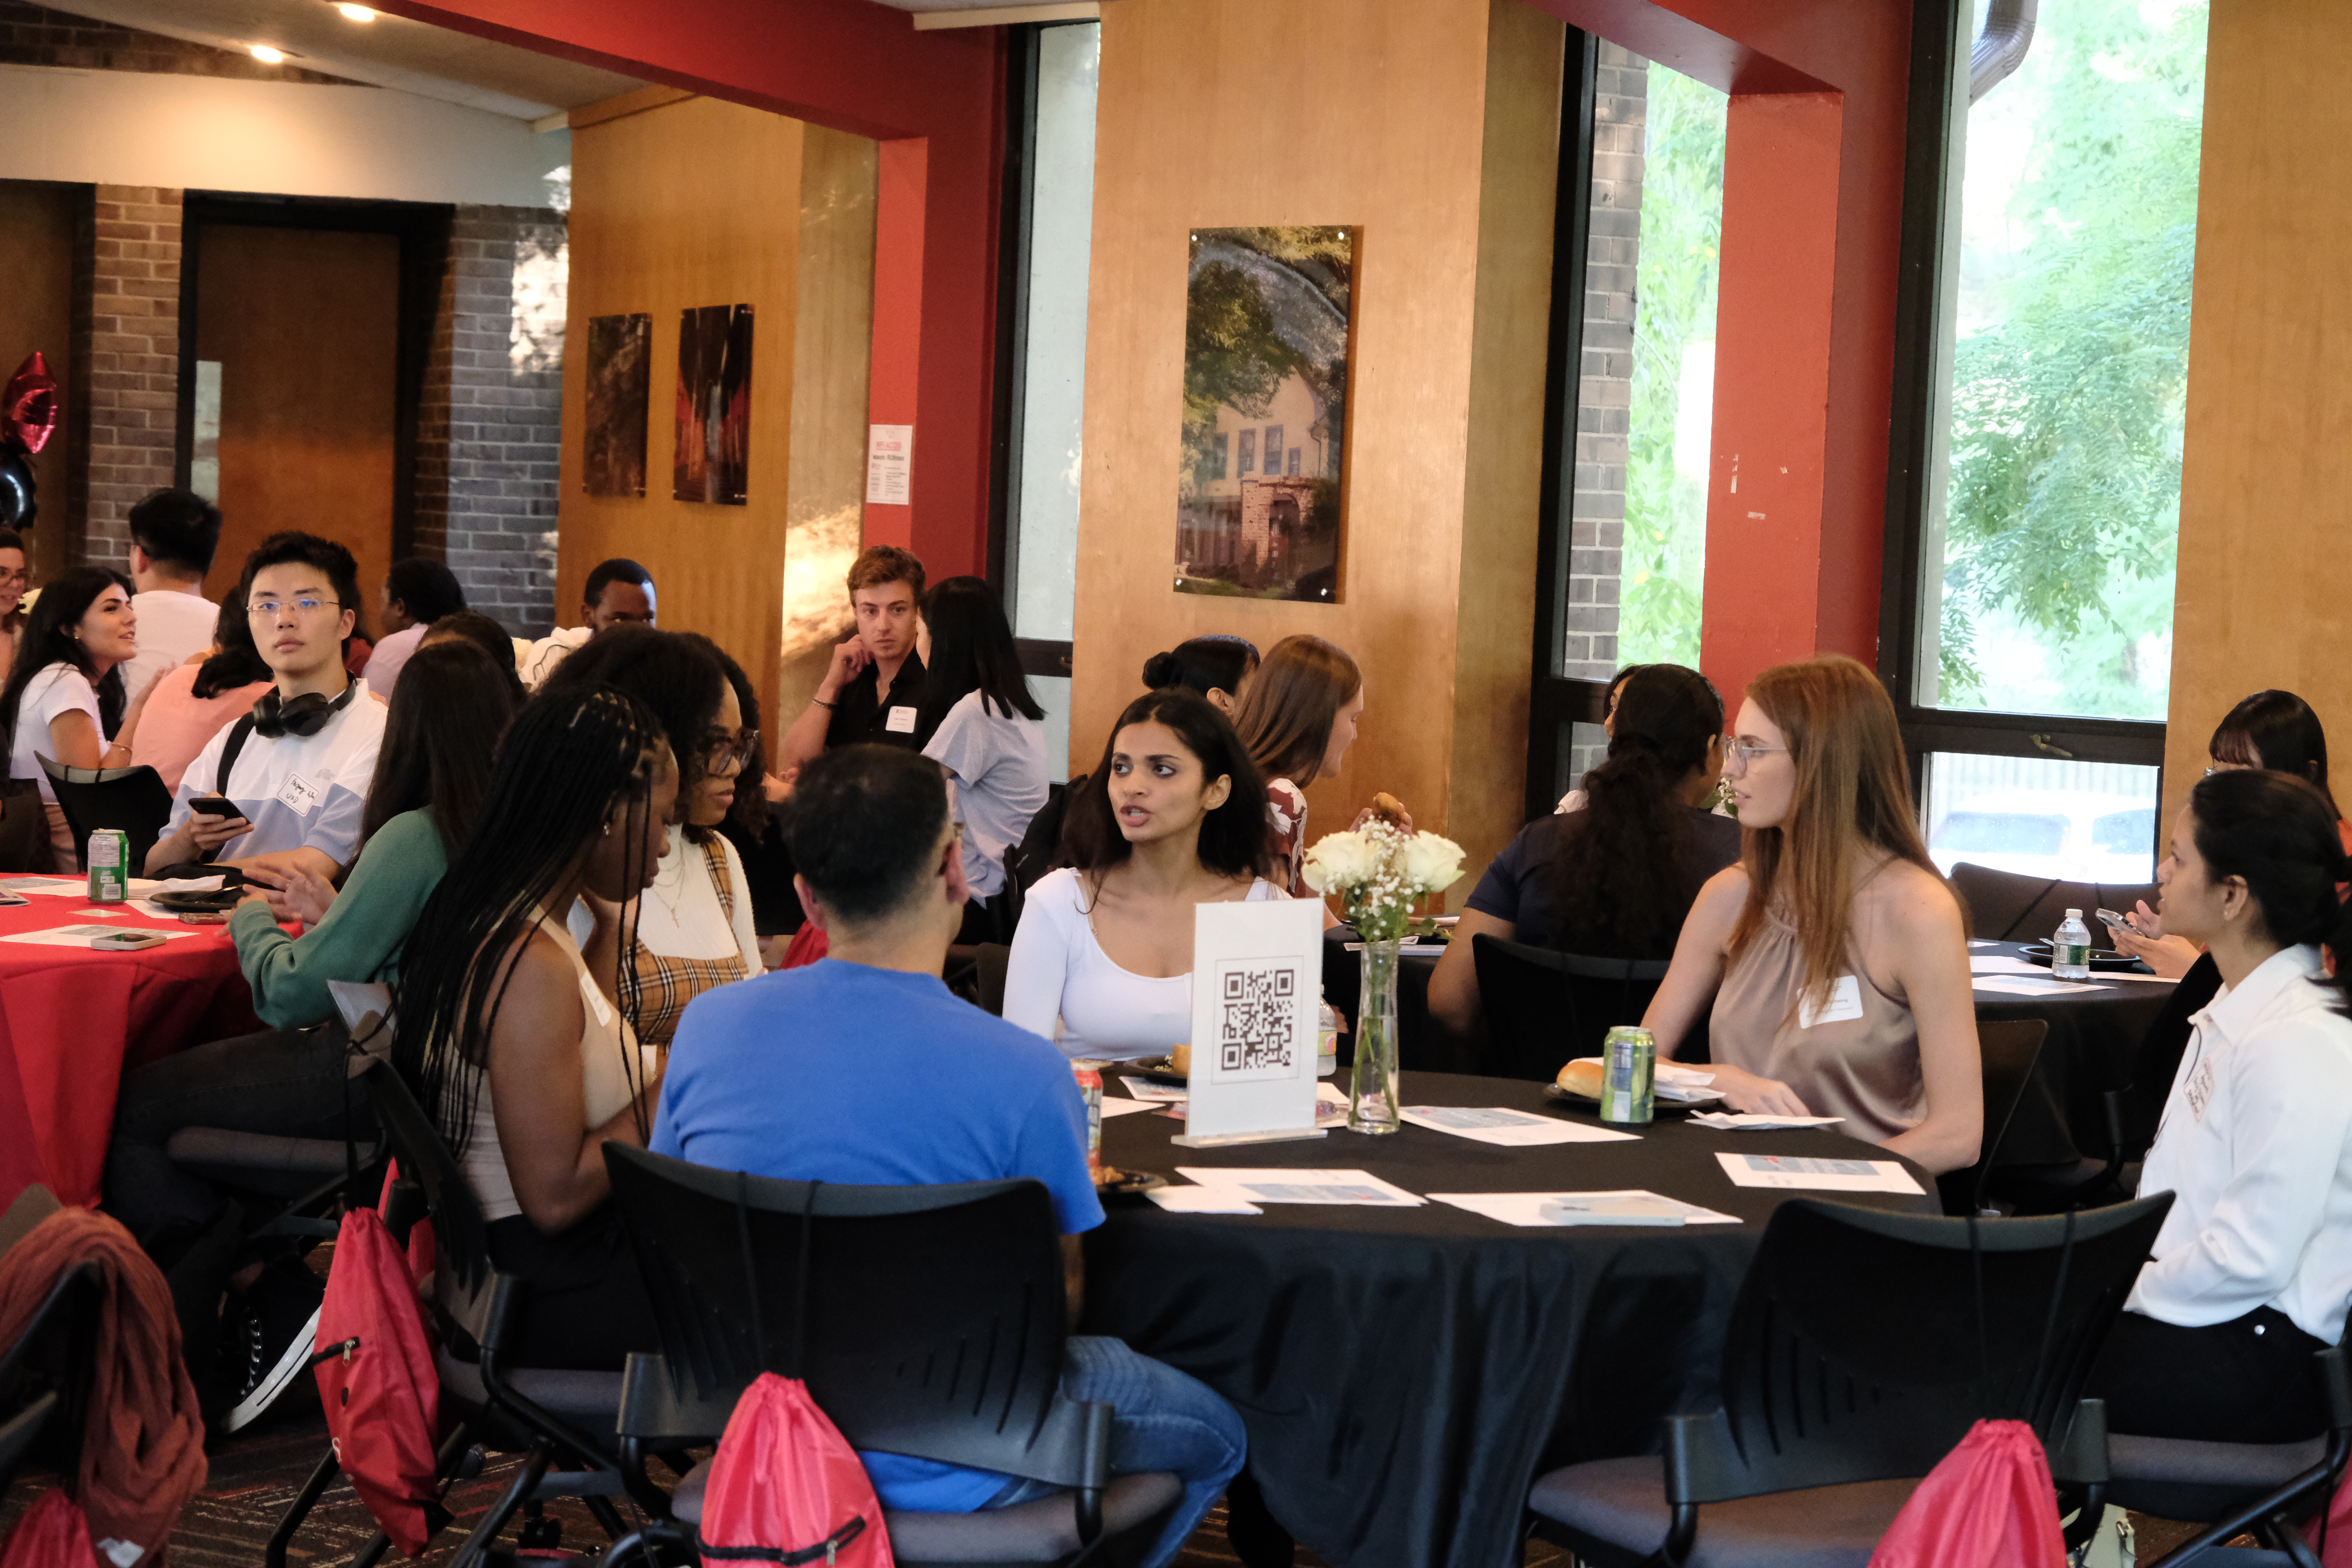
<point x="28" y="409"/>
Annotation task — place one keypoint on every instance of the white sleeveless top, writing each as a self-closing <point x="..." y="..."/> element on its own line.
<point x="604" y="1085"/>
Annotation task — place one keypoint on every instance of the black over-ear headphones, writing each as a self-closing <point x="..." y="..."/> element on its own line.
<point x="305" y="715"/>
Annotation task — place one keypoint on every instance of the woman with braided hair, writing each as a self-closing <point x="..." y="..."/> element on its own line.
<point x="523" y="1045"/>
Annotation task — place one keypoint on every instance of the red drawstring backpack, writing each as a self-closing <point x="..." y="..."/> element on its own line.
<point x="382" y="1393"/>
<point x="2329" y="1535"/>
<point x="52" y="1534"/>
<point x="785" y="1486"/>
<point x="1989" y="1503"/>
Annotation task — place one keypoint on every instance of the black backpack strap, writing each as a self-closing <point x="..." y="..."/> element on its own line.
<point x="235" y="744"/>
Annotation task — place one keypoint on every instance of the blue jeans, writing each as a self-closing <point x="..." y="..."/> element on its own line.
<point x="1163" y="1420"/>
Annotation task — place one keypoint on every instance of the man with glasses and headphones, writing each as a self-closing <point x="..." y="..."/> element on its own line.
<point x="287" y="783"/>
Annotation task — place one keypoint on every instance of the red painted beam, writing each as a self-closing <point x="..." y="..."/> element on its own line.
<point x="935" y="102"/>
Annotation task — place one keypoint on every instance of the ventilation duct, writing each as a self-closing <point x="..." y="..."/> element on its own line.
<point x="2000" y="47"/>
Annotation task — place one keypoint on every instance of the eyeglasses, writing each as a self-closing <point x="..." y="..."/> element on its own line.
<point x="15" y="579"/>
<point x="719" y="749"/>
<point x="306" y="607"/>
<point x="1739" y="753"/>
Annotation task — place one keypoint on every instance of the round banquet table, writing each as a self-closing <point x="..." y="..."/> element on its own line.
<point x="2095" y="1029"/>
<point x="1405" y="1373"/>
<point x="72" y="1020"/>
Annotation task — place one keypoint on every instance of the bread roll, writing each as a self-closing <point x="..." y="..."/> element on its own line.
<point x="1388" y="808"/>
<point x="1180" y="1058"/>
<point x="1581" y="1076"/>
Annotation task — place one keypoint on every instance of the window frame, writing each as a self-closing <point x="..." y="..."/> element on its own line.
<point x="1916" y="463"/>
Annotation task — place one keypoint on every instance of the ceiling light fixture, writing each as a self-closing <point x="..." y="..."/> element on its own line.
<point x="269" y="55"/>
<point x="356" y="13"/>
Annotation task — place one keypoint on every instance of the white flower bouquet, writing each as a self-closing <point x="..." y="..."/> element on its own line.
<point x="1378" y="872"/>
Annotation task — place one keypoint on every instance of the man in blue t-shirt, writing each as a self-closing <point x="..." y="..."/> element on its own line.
<point x="804" y="1074"/>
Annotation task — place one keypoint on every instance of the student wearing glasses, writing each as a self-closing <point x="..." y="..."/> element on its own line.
<point x="692" y="930"/>
<point x="1835" y="956"/>
<point x="289" y="780"/>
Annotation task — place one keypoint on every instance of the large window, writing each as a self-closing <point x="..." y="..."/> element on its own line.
<point x="2033" y="642"/>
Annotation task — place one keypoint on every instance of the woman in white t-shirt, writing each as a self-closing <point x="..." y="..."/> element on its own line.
<point x="987" y="731"/>
<point x="66" y="689"/>
<point x="692" y="929"/>
<point x="1173" y="818"/>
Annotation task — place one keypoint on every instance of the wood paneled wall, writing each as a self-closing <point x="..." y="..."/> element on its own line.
<point x="1433" y="125"/>
<point x="693" y="202"/>
<point x="36" y="250"/>
<point x="2264" y="588"/>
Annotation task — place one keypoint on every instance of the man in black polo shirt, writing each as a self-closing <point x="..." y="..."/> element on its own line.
<point x="873" y="690"/>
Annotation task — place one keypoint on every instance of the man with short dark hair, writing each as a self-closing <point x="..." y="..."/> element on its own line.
<point x="174" y="534"/>
<point x="618" y="592"/>
<point x="828" y="1054"/>
<point x="292" y="777"/>
<point x="873" y="692"/>
<point x="418" y="592"/>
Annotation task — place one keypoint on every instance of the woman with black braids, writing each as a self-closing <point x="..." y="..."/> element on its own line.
<point x="522" y="1048"/>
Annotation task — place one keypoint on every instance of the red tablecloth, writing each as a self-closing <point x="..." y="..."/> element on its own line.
<point x="72" y="1019"/>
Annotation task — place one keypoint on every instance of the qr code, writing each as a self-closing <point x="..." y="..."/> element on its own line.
<point x="1257" y="1017"/>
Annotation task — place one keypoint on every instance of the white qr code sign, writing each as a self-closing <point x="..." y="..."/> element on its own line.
<point x="1257" y="973"/>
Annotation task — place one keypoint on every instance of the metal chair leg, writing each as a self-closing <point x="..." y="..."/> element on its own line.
<point x="470" y="1555"/>
<point x="274" y="1555"/>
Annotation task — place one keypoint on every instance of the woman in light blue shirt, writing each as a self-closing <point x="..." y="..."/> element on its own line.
<point x="987" y="732"/>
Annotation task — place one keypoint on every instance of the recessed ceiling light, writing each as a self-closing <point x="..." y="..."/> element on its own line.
<point x="356" y="13"/>
<point x="269" y="55"/>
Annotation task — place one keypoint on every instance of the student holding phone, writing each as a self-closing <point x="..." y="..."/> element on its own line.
<point x="288" y="783"/>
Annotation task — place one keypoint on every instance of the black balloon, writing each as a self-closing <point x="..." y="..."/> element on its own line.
<point x="17" y="505"/>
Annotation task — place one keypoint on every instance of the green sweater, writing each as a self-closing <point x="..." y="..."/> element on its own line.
<point x="360" y="940"/>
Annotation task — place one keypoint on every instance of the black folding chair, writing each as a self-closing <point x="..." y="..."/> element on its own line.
<point x="1544" y="1008"/>
<point x="562" y="1422"/>
<point x="131" y="799"/>
<point x="2005" y="906"/>
<point x="24" y="829"/>
<point x="2267" y="1489"/>
<point x="1862" y="1347"/>
<point x="914" y="1280"/>
<point x="2009" y="1050"/>
<point x="45" y="1373"/>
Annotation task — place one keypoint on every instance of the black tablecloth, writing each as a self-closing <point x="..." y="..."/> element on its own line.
<point x="1405" y="1373"/>
<point x="2093" y="1041"/>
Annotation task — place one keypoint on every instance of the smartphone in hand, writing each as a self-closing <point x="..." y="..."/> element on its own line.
<point x="2120" y="923"/>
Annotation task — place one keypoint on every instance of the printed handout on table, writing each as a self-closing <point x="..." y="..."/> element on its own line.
<point x="1202" y="1200"/>
<point x="2019" y="986"/>
<point x="1144" y="1088"/>
<point x="80" y="936"/>
<point x="1757" y="1121"/>
<point x="1275" y="1185"/>
<point x="1510" y="1129"/>
<point x="1797" y="1171"/>
<point x="1113" y="1106"/>
<point x="1633" y="1206"/>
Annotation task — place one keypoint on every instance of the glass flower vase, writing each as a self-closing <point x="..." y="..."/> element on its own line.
<point x="1372" y="1093"/>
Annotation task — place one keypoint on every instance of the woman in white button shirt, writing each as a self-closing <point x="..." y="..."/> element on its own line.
<point x="1174" y="816"/>
<point x="2249" y="1276"/>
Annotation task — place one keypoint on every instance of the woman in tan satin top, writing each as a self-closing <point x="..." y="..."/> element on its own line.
<point x="1834" y="957"/>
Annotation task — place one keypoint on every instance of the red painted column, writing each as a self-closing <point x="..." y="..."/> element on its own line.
<point x="892" y="391"/>
<point x="1766" y="558"/>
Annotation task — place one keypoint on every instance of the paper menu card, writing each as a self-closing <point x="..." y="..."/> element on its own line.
<point x="1509" y="1129"/>
<point x="1816" y="1174"/>
<point x="1630" y="1206"/>
<point x="1257" y="975"/>
<point x="1277" y="1185"/>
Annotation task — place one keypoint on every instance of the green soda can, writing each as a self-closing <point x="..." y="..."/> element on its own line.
<point x="1629" y="1062"/>
<point x="109" y="865"/>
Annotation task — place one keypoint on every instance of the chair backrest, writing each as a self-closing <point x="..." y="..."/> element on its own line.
<point x="1545" y="1008"/>
<point x="1855" y="1352"/>
<point x="2009" y="1049"/>
<point x="462" y="1277"/>
<point x="133" y="799"/>
<point x="934" y="1316"/>
<point x="2007" y="907"/>
<point x="25" y="832"/>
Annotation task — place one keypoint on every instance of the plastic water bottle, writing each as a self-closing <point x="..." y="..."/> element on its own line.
<point x="2070" y="948"/>
<point x="1327" y="1040"/>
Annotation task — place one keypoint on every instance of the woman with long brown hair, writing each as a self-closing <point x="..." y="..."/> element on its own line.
<point x="1834" y="955"/>
<point x="1298" y="718"/>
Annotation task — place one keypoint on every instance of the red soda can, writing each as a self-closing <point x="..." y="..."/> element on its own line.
<point x="1089" y="1075"/>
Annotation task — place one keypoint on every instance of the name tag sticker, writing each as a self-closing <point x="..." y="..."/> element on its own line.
<point x="2199" y="1089"/>
<point x="299" y="795"/>
<point x="901" y="721"/>
<point x="1845" y="1004"/>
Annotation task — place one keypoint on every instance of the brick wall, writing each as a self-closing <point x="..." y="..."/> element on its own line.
<point x="127" y="346"/>
<point x="37" y="35"/>
<point x="489" y="431"/>
<point x="1605" y="393"/>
